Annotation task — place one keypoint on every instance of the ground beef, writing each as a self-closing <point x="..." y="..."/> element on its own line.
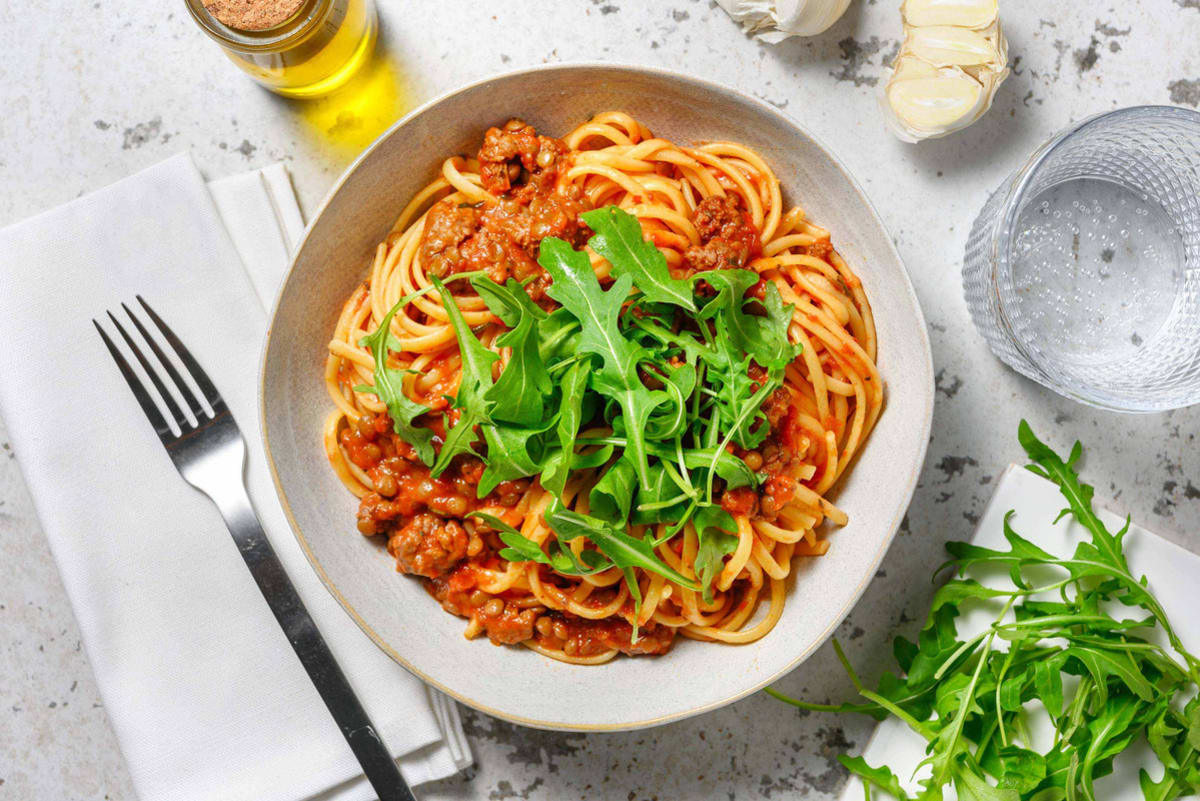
<point x="428" y="545"/>
<point x="403" y="488"/>
<point x="775" y="459"/>
<point x="447" y="226"/>
<point x="503" y="621"/>
<point x="580" y="637"/>
<point x="503" y="238"/>
<point x="776" y="406"/>
<point x="504" y="151"/>
<point x="727" y="235"/>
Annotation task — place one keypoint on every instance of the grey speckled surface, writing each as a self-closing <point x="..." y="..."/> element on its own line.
<point x="94" y="91"/>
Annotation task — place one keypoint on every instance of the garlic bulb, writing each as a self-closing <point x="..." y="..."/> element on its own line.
<point x="953" y="60"/>
<point x="776" y="20"/>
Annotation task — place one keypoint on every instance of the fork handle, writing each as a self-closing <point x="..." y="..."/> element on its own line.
<point x="306" y="640"/>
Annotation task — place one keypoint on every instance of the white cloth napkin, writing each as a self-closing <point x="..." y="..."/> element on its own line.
<point x="206" y="697"/>
<point x="1172" y="572"/>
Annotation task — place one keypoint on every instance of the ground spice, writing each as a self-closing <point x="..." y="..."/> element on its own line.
<point x="252" y="15"/>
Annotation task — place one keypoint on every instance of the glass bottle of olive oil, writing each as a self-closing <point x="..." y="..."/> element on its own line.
<point x="297" y="48"/>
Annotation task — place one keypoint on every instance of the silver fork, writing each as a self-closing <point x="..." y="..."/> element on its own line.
<point x="211" y="455"/>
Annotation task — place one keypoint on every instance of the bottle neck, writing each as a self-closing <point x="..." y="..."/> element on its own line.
<point x="298" y="25"/>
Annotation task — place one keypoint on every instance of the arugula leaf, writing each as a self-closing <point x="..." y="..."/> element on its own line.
<point x="610" y="497"/>
<point x="730" y="468"/>
<point x="522" y="549"/>
<point x="1105" y="550"/>
<point x="764" y="338"/>
<point x="1020" y="769"/>
<point x="716" y="533"/>
<point x="558" y="337"/>
<point x="664" y="501"/>
<point x="624" y="550"/>
<point x="570" y="415"/>
<point x="620" y="240"/>
<point x="578" y="290"/>
<point x="513" y="452"/>
<point x="880" y="777"/>
<point x="519" y="393"/>
<point x="389" y="387"/>
<point x="971" y="701"/>
<point x="476" y="380"/>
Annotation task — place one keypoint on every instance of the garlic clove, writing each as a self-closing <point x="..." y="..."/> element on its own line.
<point x="808" y="17"/>
<point x="976" y="14"/>
<point x="923" y="101"/>
<point x="945" y="46"/>
<point x="776" y="20"/>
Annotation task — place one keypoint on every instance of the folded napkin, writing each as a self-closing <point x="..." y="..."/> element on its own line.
<point x="1172" y="572"/>
<point x="206" y="697"/>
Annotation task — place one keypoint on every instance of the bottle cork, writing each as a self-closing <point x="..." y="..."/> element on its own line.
<point x="252" y="15"/>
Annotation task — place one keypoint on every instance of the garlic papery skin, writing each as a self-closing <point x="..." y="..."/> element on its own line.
<point x="776" y="20"/>
<point x="974" y="14"/>
<point x="946" y="73"/>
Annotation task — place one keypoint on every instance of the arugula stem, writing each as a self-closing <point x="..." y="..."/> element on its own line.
<point x="999" y="682"/>
<point x="943" y="760"/>
<point x="966" y="646"/>
<point x="751" y="408"/>
<point x="425" y="290"/>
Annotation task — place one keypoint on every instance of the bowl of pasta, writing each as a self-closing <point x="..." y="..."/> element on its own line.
<point x="609" y="367"/>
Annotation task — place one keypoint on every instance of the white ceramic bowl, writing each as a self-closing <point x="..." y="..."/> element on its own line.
<point x="394" y="610"/>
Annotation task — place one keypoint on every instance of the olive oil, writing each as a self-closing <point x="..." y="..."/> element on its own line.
<point x="296" y="48"/>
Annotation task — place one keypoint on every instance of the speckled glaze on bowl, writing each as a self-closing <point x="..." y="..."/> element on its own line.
<point x="395" y="611"/>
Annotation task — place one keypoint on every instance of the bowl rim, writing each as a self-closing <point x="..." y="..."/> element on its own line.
<point x="910" y="481"/>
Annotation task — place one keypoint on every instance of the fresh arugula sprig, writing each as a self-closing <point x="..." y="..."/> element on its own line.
<point x="664" y="362"/>
<point x="970" y="699"/>
<point x="472" y="399"/>
<point x="578" y="290"/>
<point x="619" y="239"/>
<point x="520" y="548"/>
<point x="389" y="381"/>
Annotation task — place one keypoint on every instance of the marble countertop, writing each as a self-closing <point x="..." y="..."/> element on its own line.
<point x="94" y="91"/>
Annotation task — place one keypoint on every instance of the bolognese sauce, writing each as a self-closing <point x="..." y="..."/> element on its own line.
<point x="427" y="521"/>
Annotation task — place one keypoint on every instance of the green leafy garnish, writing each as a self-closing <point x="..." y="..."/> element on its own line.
<point x="472" y="397"/>
<point x="518" y="395"/>
<point x="971" y="699"/>
<point x="522" y="549"/>
<point x="619" y="239"/>
<point x="625" y="550"/>
<point x="577" y="289"/>
<point x="716" y="531"/>
<point x="663" y="363"/>
<point x="389" y="387"/>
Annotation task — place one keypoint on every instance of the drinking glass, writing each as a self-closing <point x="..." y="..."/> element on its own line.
<point x="1082" y="271"/>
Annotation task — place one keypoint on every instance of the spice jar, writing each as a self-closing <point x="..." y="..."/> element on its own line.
<point x="297" y="48"/>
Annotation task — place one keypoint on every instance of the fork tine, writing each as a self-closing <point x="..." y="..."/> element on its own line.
<point x="206" y="386"/>
<point x="172" y="406"/>
<point x="184" y="389"/>
<point x="135" y="385"/>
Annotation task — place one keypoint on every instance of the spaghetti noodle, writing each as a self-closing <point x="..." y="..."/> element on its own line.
<point x="712" y="206"/>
